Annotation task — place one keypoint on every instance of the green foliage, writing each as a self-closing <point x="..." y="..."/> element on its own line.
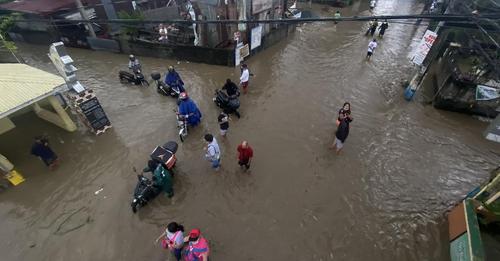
<point x="7" y="22"/>
<point x="131" y="29"/>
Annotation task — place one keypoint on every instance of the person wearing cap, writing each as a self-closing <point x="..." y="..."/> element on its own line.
<point x="173" y="79"/>
<point x="173" y="239"/>
<point x="133" y="62"/>
<point x="197" y="249"/>
<point x="189" y="109"/>
<point x="245" y="77"/>
<point x="245" y="154"/>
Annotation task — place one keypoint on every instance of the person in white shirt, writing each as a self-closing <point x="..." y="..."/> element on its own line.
<point x="163" y="30"/>
<point x="371" y="48"/>
<point x="245" y="76"/>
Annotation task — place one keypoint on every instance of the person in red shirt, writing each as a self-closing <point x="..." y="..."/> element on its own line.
<point x="245" y="154"/>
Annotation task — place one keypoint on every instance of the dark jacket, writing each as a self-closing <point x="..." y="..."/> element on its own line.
<point x="231" y="89"/>
<point x="342" y="130"/>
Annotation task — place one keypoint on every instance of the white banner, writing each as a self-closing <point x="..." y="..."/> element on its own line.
<point x="423" y="47"/>
<point x="256" y="37"/>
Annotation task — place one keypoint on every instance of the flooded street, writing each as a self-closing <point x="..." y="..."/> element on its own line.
<point x="403" y="165"/>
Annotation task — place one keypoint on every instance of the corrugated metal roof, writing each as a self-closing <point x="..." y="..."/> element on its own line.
<point x="21" y="85"/>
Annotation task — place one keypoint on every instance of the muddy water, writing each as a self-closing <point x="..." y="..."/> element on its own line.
<point x="403" y="165"/>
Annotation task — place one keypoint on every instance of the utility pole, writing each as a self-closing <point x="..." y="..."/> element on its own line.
<point x="84" y="17"/>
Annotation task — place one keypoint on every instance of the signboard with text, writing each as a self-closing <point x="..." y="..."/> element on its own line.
<point x="424" y="47"/>
<point x="256" y="37"/>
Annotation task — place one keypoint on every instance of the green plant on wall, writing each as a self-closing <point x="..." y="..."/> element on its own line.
<point x="131" y="29"/>
<point x="7" y="22"/>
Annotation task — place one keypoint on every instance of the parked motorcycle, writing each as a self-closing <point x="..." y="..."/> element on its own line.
<point x="226" y="103"/>
<point x="163" y="88"/>
<point x="147" y="189"/>
<point x="136" y="77"/>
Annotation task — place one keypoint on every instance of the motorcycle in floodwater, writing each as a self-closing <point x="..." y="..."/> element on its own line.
<point x="182" y="125"/>
<point x="147" y="189"/>
<point x="229" y="104"/>
<point x="136" y="77"/>
<point x="163" y="88"/>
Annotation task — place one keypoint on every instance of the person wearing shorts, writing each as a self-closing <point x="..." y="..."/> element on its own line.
<point x="341" y="133"/>
<point x="223" y="120"/>
<point x="244" y="78"/>
<point x="245" y="154"/>
<point x="371" y="48"/>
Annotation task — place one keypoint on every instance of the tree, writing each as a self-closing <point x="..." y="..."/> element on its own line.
<point x="6" y="23"/>
<point x="131" y="29"/>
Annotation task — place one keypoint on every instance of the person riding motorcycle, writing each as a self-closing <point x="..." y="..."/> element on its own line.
<point x="133" y="63"/>
<point x="188" y="109"/>
<point x="162" y="178"/>
<point x="231" y="89"/>
<point x="173" y="79"/>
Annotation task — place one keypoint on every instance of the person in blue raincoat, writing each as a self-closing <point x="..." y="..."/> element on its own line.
<point x="188" y="108"/>
<point x="173" y="79"/>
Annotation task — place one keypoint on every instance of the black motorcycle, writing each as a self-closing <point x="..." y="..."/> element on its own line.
<point x="147" y="189"/>
<point x="163" y="88"/>
<point x="136" y="77"/>
<point x="229" y="104"/>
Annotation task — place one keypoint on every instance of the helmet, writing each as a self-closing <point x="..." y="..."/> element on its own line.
<point x="170" y="68"/>
<point x="131" y="57"/>
<point x="183" y="95"/>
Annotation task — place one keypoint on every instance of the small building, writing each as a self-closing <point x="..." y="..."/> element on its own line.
<point x="24" y="87"/>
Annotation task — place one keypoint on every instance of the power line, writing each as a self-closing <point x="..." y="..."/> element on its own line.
<point x="457" y="18"/>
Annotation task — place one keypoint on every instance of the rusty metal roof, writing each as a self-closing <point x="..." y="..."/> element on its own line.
<point x="22" y="85"/>
<point x="41" y="7"/>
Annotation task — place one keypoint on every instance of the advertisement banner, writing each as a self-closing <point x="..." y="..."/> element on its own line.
<point x="424" y="47"/>
<point x="256" y="37"/>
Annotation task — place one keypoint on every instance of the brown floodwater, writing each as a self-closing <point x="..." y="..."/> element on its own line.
<point x="384" y="198"/>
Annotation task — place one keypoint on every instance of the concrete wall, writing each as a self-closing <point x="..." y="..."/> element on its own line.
<point x="274" y="36"/>
<point x="180" y="52"/>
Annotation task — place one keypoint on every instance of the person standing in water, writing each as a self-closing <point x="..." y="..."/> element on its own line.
<point x="371" y="48"/>
<point x="212" y="151"/>
<point x="244" y="78"/>
<point x="42" y="150"/>
<point x="173" y="239"/>
<point x="197" y="248"/>
<point x="245" y="154"/>
<point x="382" y="29"/>
<point x="341" y="134"/>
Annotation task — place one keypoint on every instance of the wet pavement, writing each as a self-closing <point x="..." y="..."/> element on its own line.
<point x="384" y="198"/>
